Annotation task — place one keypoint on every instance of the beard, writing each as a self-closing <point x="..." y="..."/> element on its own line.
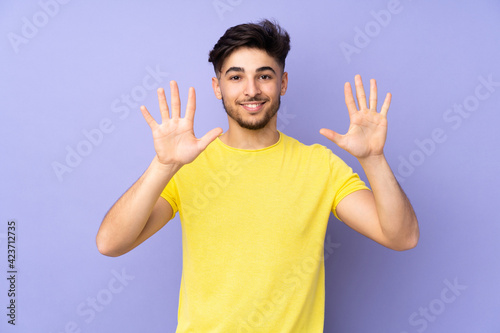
<point x="256" y="124"/>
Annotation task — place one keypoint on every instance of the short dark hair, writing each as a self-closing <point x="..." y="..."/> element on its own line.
<point x="264" y="35"/>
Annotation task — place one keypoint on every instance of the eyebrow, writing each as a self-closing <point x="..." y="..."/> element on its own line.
<point x="241" y="69"/>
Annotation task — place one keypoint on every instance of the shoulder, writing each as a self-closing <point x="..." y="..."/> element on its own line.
<point x="316" y="154"/>
<point x="314" y="149"/>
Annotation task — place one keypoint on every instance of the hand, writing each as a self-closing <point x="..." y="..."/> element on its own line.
<point x="174" y="139"/>
<point x="368" y="128"/>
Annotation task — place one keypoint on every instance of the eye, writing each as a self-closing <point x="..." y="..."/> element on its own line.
<point x="234" y="78"/>
<point x="265" y="77"/>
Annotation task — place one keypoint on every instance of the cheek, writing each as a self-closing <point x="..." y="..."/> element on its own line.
<point x="273" y="90"/>
<point x="229" y="93"/>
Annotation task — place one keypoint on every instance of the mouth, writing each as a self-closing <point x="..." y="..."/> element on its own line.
<point x="253" y="107"/>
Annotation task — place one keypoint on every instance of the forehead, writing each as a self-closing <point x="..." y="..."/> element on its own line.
<point x="249" y="59"/>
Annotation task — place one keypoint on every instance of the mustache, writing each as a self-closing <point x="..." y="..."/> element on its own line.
<point x="253" y="99"/>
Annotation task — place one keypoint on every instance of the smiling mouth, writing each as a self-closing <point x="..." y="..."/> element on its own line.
<point x="253" y="106"/>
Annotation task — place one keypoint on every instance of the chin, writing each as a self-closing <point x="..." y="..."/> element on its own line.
<point x="253" y="124"/>
<point x="255" y="127"/>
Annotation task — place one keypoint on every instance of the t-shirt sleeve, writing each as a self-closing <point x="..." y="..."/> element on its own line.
<point x="171" y="194"/>
<point x="345" y="181"/>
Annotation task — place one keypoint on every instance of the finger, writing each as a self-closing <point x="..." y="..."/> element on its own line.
<point x="191" y="104"/>
<point x="373" y="95"/>
<point x="360" y="92"/>
<point x="385" y="106"/>
<point x="349" y="99"/>
<point x="149" y="119"/>
<point x="337" y="138"/>
<point x="162" y="101"/>
<point x="209" y="137"/>
<point x="175" y="100"/>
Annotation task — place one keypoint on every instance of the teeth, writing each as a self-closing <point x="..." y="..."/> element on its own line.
<point x="253" y="106"/>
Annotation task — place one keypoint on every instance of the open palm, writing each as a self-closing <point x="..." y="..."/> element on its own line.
<point x="174" y="139"/>
<point x="368" y="128"/>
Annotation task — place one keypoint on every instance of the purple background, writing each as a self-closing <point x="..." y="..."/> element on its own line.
<point x="68" y="68"/>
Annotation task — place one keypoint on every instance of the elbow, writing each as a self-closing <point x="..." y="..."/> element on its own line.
<point x="413" y="242"/>
<point x="105" y="248"/>
<point x="408" y="243"/>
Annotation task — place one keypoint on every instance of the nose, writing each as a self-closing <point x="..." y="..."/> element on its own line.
<point x="252" y="88"/>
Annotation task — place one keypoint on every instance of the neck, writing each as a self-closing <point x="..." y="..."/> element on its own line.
<point x="242" y="138"/>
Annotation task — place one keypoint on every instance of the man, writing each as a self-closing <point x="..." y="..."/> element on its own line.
<point x="254" y="203"/>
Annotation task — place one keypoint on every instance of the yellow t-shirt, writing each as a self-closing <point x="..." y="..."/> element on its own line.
<point x="253" y="230"/>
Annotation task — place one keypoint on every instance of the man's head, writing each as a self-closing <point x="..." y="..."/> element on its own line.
<point x="264" y="35"/>
<point x="249" y="63"/>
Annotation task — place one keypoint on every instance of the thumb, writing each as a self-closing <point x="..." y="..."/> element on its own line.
<point x="209" y="137"/>
<point x="333" y="136"/>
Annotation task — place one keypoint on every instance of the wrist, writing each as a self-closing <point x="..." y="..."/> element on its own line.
<point x="372" y="161"/>
<point x="165" y="168"/>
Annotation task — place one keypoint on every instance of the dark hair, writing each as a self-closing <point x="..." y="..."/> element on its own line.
<point x="265" y="35"/>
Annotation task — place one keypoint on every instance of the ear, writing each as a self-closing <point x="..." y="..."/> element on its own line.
<point x="284" y="83"/>
<point x="216" y="87"/>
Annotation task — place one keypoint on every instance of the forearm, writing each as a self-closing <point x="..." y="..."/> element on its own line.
<point x="126" y="219"/>
<point x="397" y="218"/>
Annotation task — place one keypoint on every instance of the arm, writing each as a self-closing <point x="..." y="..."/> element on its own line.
<point x="138" y="214"/>
<point x="141" y="212"/>
<point x="385" y="214"/>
